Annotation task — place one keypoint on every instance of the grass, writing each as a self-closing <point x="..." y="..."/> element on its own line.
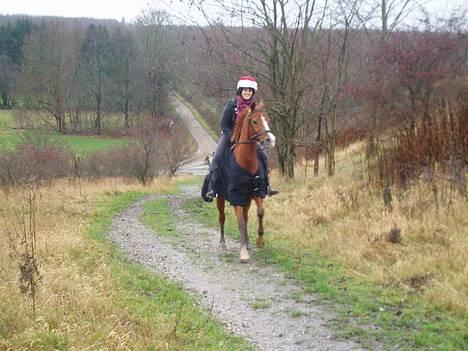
<point x="89" y="295"/>
<point x="157" y="216"/>
<point x="414" y="292"/>
<point x="82" y="145"/>
<point x="259" y="304"/>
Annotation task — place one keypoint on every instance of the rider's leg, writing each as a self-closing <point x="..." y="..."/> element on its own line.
<point x="262" y="156"/>
<point x="215" y="165"/>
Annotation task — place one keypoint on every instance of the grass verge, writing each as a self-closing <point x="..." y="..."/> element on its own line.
<point x="154" y="299"/>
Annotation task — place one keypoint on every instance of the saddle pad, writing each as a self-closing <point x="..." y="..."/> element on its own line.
<point x="241" y="184"/>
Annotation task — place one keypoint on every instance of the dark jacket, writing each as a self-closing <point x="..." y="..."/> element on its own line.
<point x="229" y="117"/>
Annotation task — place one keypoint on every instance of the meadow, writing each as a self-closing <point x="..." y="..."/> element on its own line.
<point x="78" y="144"/>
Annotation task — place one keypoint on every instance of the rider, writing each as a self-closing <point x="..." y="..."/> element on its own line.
<point x="246" y="89"/>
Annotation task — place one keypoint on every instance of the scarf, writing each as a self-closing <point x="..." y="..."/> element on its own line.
<point x="242" y="105"/>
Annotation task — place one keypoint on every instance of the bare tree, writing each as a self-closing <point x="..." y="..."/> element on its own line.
<point x="335" y="65"/>
<point x="144" y="152"/>
<point x="8" y="75"/>
<point x="384" y="16"/>
<point x="123" y="69"/>
<point x="95" y="56"/>
<point x="153" y="43"/>
<point x="45" y="78"/>
<point x="273" y="41"/>
<point x="176" y="150"/>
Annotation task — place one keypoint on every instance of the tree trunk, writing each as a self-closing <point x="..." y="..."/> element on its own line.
<point x="286" y="159"/>
<point x="317" y="148"/>
<point x="5" y="100"/>
<point x="331" y="155"/>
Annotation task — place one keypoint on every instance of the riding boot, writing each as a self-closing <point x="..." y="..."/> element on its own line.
<point x="270" y="191"/>
<point x="262" y="156"/>
<point x="213" y="178"/>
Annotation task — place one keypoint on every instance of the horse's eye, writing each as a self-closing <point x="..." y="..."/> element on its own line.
<point x="254" y="122"/>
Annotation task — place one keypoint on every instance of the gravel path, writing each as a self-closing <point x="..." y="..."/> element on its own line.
<point x="206" y="145"/>
<point x="253" y="300"/>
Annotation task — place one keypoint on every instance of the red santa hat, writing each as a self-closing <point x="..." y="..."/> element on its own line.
<point x="247" y="82"/>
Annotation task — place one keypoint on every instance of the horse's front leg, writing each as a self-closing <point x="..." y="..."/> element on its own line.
<point x="260" y="214"/>
<point x="220" y="204"/>
<point x="246" y="219"/>
<point x="241" y="223"/>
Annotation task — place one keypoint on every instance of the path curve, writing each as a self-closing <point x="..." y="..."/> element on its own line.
<point x="206" y="145"/>
<point x="253" y="300"/>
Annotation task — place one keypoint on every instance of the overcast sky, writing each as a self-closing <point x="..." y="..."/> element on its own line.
<point x="129" y="9"/>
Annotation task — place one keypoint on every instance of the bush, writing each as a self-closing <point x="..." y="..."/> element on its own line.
<point x="33" y="164"/>
<point x="434" y="148"/>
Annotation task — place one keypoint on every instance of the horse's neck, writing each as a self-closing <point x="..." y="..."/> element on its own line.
<point x="246" y="156"/>
<point x="246" y="152"/>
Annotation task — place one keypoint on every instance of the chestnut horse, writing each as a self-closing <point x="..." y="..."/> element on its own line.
<point x="252" y="127"/>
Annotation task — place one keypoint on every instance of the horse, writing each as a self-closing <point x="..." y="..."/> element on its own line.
<point x="252" y="127"/>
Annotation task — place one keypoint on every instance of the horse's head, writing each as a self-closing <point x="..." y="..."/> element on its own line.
<point x="260" y="122"/>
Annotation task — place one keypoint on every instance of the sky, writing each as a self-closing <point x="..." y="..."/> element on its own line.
<point x="130" y="9"/>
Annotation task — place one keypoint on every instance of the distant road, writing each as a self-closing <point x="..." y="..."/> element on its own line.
<point x="206" y="144"/>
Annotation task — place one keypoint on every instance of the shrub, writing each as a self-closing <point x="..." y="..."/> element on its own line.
<point x="32" y="164"/>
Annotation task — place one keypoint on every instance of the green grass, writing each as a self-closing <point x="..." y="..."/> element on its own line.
<point x="401" y="318"/>
<point x="151" y="298"/>
<point x="259" y="304"/>
<point x="8" y="136"/>
<point x="157" y="216"/>
<point x="87" y="145"/>
<point x="81" y="145"/>
<point x="6" y="119"/>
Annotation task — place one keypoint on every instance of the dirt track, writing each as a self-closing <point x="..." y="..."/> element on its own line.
<point x="253" y="300"/>
<point x="206" y="145"/>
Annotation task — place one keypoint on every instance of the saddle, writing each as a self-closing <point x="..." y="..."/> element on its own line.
<point x="235" y="184"/>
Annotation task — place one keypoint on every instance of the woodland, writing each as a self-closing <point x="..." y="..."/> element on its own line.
<point x="332" y="76"/>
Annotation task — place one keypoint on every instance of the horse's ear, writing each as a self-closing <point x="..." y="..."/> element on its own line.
<point x="252" y="107"/>
<point x="261" y="105"/>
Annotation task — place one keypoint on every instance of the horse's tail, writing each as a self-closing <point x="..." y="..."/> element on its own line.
<point x="204" y="189"/>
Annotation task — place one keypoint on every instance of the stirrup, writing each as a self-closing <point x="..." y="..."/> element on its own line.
<point x="272" y="191"/>
<point x="211" y="194"/>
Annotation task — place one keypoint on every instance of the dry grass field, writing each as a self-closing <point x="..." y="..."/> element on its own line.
<point x="344" y="218"/>
<point x="85" y="299"/>
<point x="71" y="291"/>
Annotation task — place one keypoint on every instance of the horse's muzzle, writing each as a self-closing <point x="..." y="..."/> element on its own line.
<point x="270" y="140"/>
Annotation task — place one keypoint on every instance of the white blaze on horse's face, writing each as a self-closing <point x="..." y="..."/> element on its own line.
<point x="271" y="140"/>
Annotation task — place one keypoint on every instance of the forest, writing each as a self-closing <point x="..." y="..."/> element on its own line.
<point x="329" y="77"/>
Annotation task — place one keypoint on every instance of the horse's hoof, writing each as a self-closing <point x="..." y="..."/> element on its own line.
<point x="260" y="243"/>
<point x="222" y="247"/>
<point x="244" y="255"/>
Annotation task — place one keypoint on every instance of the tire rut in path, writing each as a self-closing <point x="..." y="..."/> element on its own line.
<point x="253" y="300"/>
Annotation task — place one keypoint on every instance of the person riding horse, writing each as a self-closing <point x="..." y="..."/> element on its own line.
<point x="246" y="89"/>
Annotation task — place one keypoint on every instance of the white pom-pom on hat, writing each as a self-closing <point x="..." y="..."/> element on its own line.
<point x="247" y="82"/>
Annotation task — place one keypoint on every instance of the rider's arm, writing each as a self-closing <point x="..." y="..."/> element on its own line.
<point x="227" y="120"/>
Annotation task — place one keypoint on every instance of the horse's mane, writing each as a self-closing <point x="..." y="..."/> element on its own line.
<point x="238" y="126"/>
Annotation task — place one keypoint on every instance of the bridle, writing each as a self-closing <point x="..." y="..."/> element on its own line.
<point x="254" y="138"/>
